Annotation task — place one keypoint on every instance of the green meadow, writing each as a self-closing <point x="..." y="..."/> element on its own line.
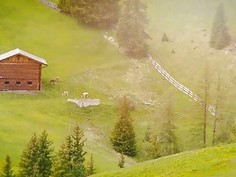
<point x="85" y="62"/>
<point x="217" y="161"/>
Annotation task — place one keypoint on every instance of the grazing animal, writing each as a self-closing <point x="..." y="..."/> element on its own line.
<point x="111" y="39"/>
<point x="65" y="93"/>
<point x="55" y="80"/>
<point x="85" y="95"/>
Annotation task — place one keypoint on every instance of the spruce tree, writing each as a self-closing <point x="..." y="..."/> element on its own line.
<point x="199" y="126"/>
<point x="166" y="136"/>
<point x="102" y="13"/>
<point x="121" y="162"/>
<point x="123" y="136"/>
<point x="153" y="147"/>
<point x="63" y="164"/>
<point x="131" y="35"/>
<point x="220" y="37"/>
<point x="90" y="167"/>
<point x="64" y="6"/>
<point x="78" y="151"/>
<point x="70" y="158"/>
<point x="164" y="38"/>
<point x="36" y="159"/>
<point x="45" y="157"/>
<point x="7" y="169"/>
<point x="223" y="126"/>
<point x="28" y="166"/>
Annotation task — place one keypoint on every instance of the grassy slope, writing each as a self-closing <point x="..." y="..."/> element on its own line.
<point x="188" y="26"/>
<point x="209" y="162"/>
<point x="86" y="62"/>
<point x="70" y="49"/>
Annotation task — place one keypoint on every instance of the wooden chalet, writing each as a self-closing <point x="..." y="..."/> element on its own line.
<point x="20" y="70"/>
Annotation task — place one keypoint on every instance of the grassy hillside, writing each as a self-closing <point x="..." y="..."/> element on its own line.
<point x="209" y="162"/>
<point x="84" y="61"/>
<point x="188" y="25"/>
<point x="70" y="50"/>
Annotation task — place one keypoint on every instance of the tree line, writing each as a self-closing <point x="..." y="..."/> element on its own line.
<point x="37" y="159"/>
<point x="128" y="17"/>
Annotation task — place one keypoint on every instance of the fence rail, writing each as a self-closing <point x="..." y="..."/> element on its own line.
<point x="179" y="86"/>
<point x="169" y="78"/>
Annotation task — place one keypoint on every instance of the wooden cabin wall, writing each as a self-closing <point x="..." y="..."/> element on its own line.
<point x="20" y="73"/>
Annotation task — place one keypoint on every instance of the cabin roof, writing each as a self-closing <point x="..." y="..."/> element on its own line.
<point x="24" y="53"/>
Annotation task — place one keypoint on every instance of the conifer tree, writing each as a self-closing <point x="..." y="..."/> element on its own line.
<point x="63" y="164"/>
<point x="121" y="162"/>
<point x="36" y="159"/>
<point x="7" y="169"/>
<point x="64" y="6"/>
<point x="220" y="37"/>
<point x="153" y="147"/>
<point x="28" y="166"/>
<point x="223" y="126"/>
<point x="78" y="151"/>
<point x="148" y="133"/>
<point x="200" y="125"/>
<point x="131" y="35"/>
<point x="164" y="38"/>
<point x="70" y="158"/>
<point x="166" y="136"/>
<point x="102" y="13"/>
<point x="123" y="136"/>
<point x="45" y="157"/>
<point x="90" y="168"/>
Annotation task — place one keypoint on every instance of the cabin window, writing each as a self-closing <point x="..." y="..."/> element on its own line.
<point x="30" y="83"/>
<point x="18" y="83"/>
<point x="6" y="82"/>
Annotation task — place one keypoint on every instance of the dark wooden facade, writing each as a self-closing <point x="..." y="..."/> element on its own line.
<point x="20" y="72"/>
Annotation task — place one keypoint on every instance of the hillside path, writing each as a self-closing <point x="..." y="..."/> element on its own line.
<point x="169" y="78"/>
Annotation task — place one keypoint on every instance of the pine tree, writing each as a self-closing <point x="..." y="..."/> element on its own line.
<point x="63" y="164"/>
<point x="148" y="133"/>
<point x="70" y="158"/>
<point x="196" y="130"/>
<point x="78" y="152"/>
<point x="223" y="126"/>
<point x="200" y="124"/>
<point x="121" y="162"/>
<point x="102" y="13"/>
<point x="28" y="166"/>
<point x="167" y="138"/>
<point x="164" y="38"/>
<point x="36" y="159"/>
<point x="45" y="155"/>
<point x="64" y="6"/>
<point x="220" y="37"/>
<point x="153" y="147"/>
<point x="205" y="101"/>
<point x="7" y="169"/>
<point x="131" y="35"/>
<point x="123" y="136"/>
<point x="90" y="168"/>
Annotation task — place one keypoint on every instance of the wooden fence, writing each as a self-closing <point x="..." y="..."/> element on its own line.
<point x="170" y="79"/>
<point x="179" y="86"/>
